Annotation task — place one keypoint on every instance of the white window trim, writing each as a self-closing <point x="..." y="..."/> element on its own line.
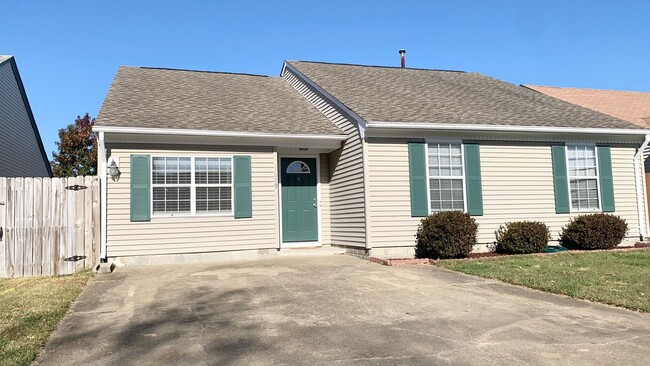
<point x="597" y="177"/>
<point x="462" y="162"/>
<point x="152" y="185"/>
<point x="193" y="186"/>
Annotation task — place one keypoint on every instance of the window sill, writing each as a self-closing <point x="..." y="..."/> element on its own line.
<point x="163" y="216"/>
<point x="586" y="210"/>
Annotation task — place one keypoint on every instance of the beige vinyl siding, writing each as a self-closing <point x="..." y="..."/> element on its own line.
<point x="517" y="185"/>
<point x="20" y="152"/>
<point x="193" y="234"/>
<point x="325" y="209"/>
<point x="348" y="221"/>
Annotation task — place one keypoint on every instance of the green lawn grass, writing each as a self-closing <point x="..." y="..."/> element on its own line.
<point x="30" y="309"/>
<point x="614" y="277"/>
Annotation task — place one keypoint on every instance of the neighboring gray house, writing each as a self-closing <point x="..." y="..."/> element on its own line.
<point x="21" y="149"/>
<point x="347" y="156"/>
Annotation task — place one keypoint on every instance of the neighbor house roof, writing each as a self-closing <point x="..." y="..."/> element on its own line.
<point x="19" y="136"/>
<point x="627" y="105"/>
<point x="216" y="101"/>
<point x="391" y="94"/>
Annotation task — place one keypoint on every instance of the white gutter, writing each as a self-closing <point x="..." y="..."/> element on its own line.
<point x="502" y="128"/>
<point x="102" y="184"/>
<point x="184" y="132"/>
<point x="640" y="202"/>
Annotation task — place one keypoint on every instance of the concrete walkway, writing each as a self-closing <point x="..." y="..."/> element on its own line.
<point x="335" y="310"/>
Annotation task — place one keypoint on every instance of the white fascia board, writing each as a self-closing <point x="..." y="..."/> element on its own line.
<point x="284" y="67"/>
<point x="502" y="128"/>
<point x="643" y="147"/>
<point x="186" y="132"/>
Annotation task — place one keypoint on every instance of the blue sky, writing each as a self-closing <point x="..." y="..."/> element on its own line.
<point x="68" y="51"/>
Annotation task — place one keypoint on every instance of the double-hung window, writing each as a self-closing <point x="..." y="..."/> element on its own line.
<point x="172" y="185"/>
<point x="583" y="177"/>
<point x="446" y="177"/>
<point x="213" y="180"/>
<point x="184" y="185"/>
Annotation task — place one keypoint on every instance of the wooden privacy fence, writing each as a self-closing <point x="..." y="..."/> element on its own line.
<point x="50" y="226"/>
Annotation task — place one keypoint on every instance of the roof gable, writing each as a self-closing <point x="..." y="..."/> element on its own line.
<point x="391" y="94"/>
<point x="215" y="101"/>
<point x="19" y="135"/>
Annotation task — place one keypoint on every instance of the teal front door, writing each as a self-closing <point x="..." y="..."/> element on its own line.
<point x="299" y="200"/>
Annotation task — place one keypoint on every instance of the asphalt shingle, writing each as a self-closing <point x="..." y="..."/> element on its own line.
<point x="184" y="99"/>
<point x="627" y="105"/>
<point x="390" y="94"/>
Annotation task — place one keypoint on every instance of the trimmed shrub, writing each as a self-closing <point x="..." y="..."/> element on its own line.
<point x="522" y="237"/>
<point x="593" y="231"/>
<point x="448" y="234"/>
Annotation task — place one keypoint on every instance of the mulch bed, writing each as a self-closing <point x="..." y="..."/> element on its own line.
<point x="401" y="261"/>
<point x="477" y="256"/>
<point x="494" y="255"/>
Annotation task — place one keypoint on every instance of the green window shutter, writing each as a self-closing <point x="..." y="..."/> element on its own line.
<point x="140" y="188"/>
<point x="242" y="186"/>
<point x="473" y="179"/>
<point x="418" y="179"/>
<point x="606" y="179"/>
<point x="560" y="179"/>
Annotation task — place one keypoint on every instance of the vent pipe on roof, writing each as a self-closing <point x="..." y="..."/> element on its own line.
<point x="401" y="53"/>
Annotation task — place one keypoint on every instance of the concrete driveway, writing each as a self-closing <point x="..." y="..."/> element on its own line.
<point x="334" y="310"/>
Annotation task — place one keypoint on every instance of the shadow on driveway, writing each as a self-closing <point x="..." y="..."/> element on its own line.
<point x="335" y="310"/>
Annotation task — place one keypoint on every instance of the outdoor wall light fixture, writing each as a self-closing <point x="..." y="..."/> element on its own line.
<point x="114" y="171"/>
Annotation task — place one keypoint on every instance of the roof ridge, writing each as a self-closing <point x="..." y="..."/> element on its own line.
<point x="376" y="66"/>
<point x="198" y="71"/>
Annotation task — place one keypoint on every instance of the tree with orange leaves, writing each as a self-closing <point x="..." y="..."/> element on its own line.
<point x="77" y="149"/>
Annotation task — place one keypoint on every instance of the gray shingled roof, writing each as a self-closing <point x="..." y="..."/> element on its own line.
<point x="4" y="58"/>
<point x="390" y="94"/>
<point x="164" y="98"/>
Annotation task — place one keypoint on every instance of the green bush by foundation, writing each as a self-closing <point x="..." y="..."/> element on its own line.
<point x="522" y="237"/>
<point x="449" y="234"/>
<point x="593" y="231"/>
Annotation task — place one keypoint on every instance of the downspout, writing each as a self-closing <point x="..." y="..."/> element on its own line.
<point x="103" y="186"/>
<point x="640" y="202"/>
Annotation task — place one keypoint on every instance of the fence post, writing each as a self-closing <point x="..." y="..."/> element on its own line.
<point x="37" y="222"/>
<point x="48" y="227"/>
<point x="69" y="219"/>
<point x="3" y="226"/>
<point x="79" y="217"/>
<point x="10" y="231"/>
<point x="97" y="220"/>
<point x="19" y="227"/>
